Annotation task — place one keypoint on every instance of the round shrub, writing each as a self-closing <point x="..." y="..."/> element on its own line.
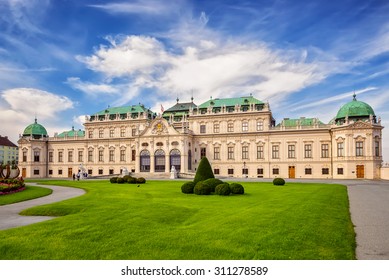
<point x="237" y="188"/>
<point x="131" y="180"/>
<point x="113" y="180"/>
<point x="141" y="180"/>
<point x="278" y="182"/>
<point x="202" y="188"/>
<point x="126" y="177"/>
<point x="120" y="180"/>
<point x="188" y="187"/>
<point x="213" y="182"/>
<point x="204" y="171"/>
<point x="223" y="189"/>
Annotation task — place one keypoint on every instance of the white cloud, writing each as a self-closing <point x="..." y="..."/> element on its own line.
<point x="92" y="89"/>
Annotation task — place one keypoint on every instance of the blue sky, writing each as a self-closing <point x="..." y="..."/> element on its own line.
<point x="64" y="59"/>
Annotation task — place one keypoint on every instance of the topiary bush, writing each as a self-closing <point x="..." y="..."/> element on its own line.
<point x="223" y="189"/>
<point x="141" y="180"/>
<point x="113" y="180"/>
<point x="278" y="182"/>
<point x="126" y="177"/>
<point x="120" y="180"/>
<point x="204" y="171"/>
<point x="237" y="188"/>
<point x="202" y="188"/>
<point x="188" y="187"/>
<point x="131" y="180"/>
<point x="213" y="182"/>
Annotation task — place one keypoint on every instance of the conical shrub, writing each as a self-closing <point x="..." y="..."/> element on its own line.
<point x="204" y="171"/>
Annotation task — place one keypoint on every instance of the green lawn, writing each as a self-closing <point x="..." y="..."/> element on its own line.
<point x="29" y="193"/>
<point x="157" y="221"/>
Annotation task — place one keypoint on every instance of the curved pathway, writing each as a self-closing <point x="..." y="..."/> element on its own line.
<point x="9" y="214"/>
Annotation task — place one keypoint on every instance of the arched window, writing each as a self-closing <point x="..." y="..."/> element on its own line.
<point x="190" y="160"/>
<point x="175" y="159"/>
<point x="145" y="161"/>
<point x="159" y="160"/>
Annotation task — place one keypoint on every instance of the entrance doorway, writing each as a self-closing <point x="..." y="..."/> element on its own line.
<point x="144" y="161"/>
<point x="360" y="171"/>
<point x="175" y="159"/>
<point x="70" y="172"/>
<point x="24" y="172"/>
<point x="292" y="172"/>
<point x="159" y="161"/>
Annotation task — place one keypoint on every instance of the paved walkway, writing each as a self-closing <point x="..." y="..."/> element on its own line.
<point x="9" y="214"/>
<point x="369" y="207"/>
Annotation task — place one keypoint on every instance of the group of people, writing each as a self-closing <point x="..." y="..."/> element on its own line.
<point x="80" y="174"/>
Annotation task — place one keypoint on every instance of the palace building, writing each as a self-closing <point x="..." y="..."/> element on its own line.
<point x="239" y="136"/>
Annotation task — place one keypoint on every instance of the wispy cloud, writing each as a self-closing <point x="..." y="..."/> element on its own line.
<point x="90" y="88"/>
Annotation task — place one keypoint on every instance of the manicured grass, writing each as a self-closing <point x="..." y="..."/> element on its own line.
<point x="29" y="193"/>
<point x="157" y="221"/>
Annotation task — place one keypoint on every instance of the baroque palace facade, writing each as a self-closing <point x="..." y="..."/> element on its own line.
<point x="239" y="136"/>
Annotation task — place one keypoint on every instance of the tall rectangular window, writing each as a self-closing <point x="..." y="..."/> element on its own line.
<point x="90" y="133"/>
<point x="133" y="131"/>
<point x="80" y="156"/>
<point x="60" y="156"/>
<point x="101" y="133"/>
<point x="90" y="155"/>
<point x="51" y="157"/>
<point x="359" y="148"/>
<point x="101" y="155"/>
<point x="340" y="149"/>
<point x="275" y="151"/>
<point x="111" y="155"/>
<point x="230" y="152"/>
<point x="203" y="152"/>
<point x="133" y="155"/>
<point x="377" y="148"/>
<point x="202" y="128"/>
<point x="216" y="153"/>
<point x="70" y="156"/>
<point x="245" y="152"/>
<point x="24" y="156"/>
<point x="308" y="150"/>
<point x="291" y="151"/>
<point x="216" y="128"/>
<point x="259" y="152"/>
<point x="122" y="155"/>
<point x="259" y="125"/>
<point x="111" y="133"/>
<point x="122" y="132"/>
<point x="230" y="127"/>
<point x="36" y="156"/>
<point x="325" y="151"/>
<point x="245" y="126"/>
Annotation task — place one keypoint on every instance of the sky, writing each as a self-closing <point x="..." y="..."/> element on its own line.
<point x="63" y="59"/>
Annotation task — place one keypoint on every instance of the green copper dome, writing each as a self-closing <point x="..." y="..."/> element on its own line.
<point x="355" y="109"/>
<point x="36" y="130"/>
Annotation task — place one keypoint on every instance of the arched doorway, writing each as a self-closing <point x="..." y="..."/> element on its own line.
<point x="175" y="159"/>
<point x="159" y="161"/>
<point x="145" y="161"/>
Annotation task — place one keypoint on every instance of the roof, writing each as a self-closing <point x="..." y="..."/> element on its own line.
<point x="123" y="110"/>
<point x="4" y="141"/>
<point x="181" y="107"/>
<point x="35" y="129"/>
<point x="301" y="122"/>
<point x="355" y="108"/>
<point x="219" y="102"/>
<point x="72" y="133"/>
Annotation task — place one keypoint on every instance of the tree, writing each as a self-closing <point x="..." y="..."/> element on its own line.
<point x="204" y="171"/>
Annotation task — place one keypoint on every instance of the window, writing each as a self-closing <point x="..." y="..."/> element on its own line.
<point x="230" y="127"/>
<point x="259" y="125"/>
<point x="24" y="156"/>
<point x="122" y="132"/>
<point x="340" y="171"/>
<point x="216" y="128"/>
<point x="276" y="171"/>
<point x="216" y="153"/>
<point x="359" y="148"/>
<point x="340" y="149"/>
<point x="50" y="156"/>
<point x="230" y="154"/>
<point x="90" y="155"/>
<point x="70" y="156"/>
<point x="60" y="156"/>
<point x="101" y="133"/>
<point x="216" y="171"/>
<point x="100" y="171"/>
<point x="36" y="171"/>
<point x="111" y="172"/>
<point x="90" y="172"/>
<point x="245" y="171"/>
<point x="90" y="133"/>
<point x="230" y="171"/>
<point x="259" y="152"/>
<point x="325" y="171"/>
<point x="133" y="132"/>
<point x="245" y="152"/>
<point x="50" y="171"/>
<point x="203" y="152"/>
<point x="111" y="155"/>
<point x="325" y="151"/>
<point x="308" y="150"/>
<point x="59" y="171"/>
<point x="36" y="156"/>
<point x="291" y="151"/>
<point x="101" y="155"/>
<point x="377" y="148"/>
<point x="133" y="155"/>
<point x="245" y="126"/>
<point x="80" y="156"/>
<point x="202" y="128"/>
<point x="275" y="151"/>
<point x="308" y="171"/>
<point x="122" y="155"/>
<point x="111" y="133"/>
<point x="260" y="171"/>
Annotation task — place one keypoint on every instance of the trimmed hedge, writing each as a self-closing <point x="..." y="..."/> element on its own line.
<point x="202" y="188"/>
<point x="213" y="182"/>
<point x="223" y="189"/>
<point x="188" y="187"/>
<point x="113" y="180"/>
<point x="278" y="182"/>
<point x="120" y="180"/>
<point x="131" y="180"/>
<point x="141" y="180"/>
<point x="237" y="188"/>
<point x="204" y="171"/>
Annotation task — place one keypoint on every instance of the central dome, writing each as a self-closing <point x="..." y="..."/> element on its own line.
<point x="35" y="130"/>
<point x="355" y="109"/>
